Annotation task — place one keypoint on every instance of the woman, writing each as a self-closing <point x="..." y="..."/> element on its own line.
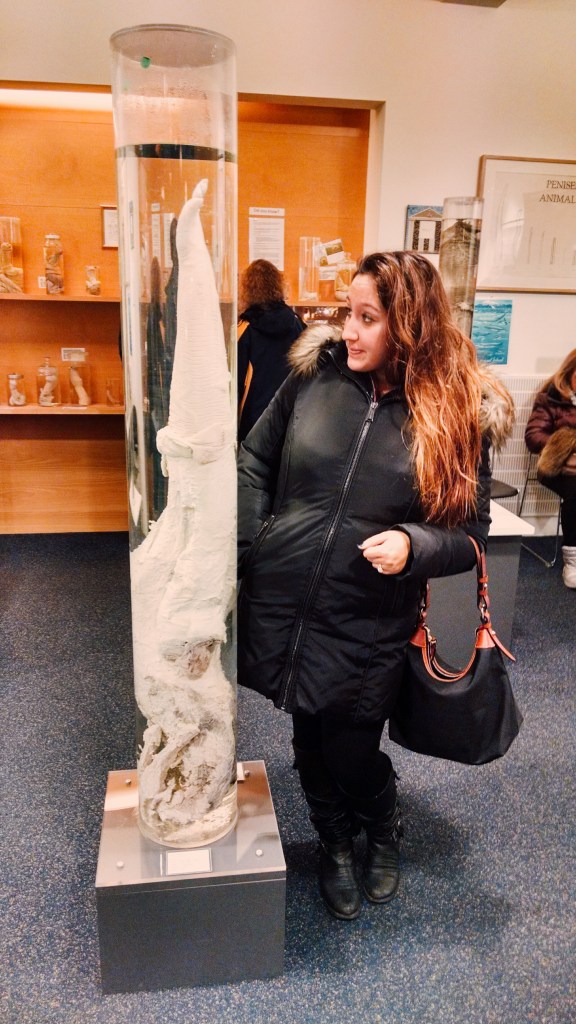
<point x="551" y="431"/>
<point x="270" y="328"/>
<point x="363" y="478"/>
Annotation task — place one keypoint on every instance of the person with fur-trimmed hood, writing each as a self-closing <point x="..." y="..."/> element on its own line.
<point x="551" y="432"/>
<point x="366" y="474"/>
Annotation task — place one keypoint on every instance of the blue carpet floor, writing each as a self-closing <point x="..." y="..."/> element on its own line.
<point x="483" y="929"/>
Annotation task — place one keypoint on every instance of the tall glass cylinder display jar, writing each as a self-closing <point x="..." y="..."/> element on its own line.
<point x="175" y="124"/>
<point x="458" y="259"/>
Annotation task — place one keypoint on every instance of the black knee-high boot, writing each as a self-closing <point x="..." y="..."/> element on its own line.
<point x="381" y="817"/>
<point x="336" y="828"/>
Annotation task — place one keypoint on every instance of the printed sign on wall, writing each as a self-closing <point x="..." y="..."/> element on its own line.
<point x="491" y="328"/>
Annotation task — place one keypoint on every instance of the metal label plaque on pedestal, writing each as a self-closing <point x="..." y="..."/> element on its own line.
<point x="209" y="915"/>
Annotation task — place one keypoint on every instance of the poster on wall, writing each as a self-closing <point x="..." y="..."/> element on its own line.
<point x="266" y="235"/>
<point x="491" y="329"/>
<point x="528" y="238"/>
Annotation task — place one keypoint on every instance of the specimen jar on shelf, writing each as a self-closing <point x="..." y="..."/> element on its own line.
<point x="16" y="389"/>
<point x="80" y="386"/>
<point x="92" y="279"/>
<point x="11" y="271"/>
<point x="308" y="269"/>
<point x="53" y="264"/>
<point x="344" y="274"/>
<point x="48" y="384"/>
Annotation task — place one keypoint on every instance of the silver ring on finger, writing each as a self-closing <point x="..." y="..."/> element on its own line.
<point x="381" y="570"/>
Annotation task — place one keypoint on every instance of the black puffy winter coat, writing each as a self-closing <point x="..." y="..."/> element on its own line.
<point x="326" y="467"/>
<point x="264" y="345"/>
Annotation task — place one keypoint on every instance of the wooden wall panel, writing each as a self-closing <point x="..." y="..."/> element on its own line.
<point x="317" y="173"/>
<point x="71" y="154"/>
<point x="62" y="475"/>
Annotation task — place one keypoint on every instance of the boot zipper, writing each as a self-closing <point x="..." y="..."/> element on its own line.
<point x="325" y="550"/>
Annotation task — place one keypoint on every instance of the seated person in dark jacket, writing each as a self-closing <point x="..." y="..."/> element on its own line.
<point x="551" y="431"/>
<point x="367" y="474"/>
<point x="271" y="328"/>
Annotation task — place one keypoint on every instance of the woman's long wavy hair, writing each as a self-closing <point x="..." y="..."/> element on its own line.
<point x="562" y="379"/>
<point x="261" y="284"/>
<point x="436" y="365"/>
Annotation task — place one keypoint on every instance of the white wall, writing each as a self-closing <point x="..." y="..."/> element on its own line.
<point x="457" y="81"/>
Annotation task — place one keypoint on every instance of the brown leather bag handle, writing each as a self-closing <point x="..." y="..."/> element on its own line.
<point x="485" y="635"/>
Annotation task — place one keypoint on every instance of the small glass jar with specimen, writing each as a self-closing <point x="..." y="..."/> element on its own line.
<point x="344" y="271"/>
<point x="16" y="389"/>
<point x="93" y="279"/>
<point x="53" y="265"/>
<point x="114" y="395"/>
<point x="48" y="384"/>
<point x="11" y="273"/>
<point x="80" y="383"/>
<point x="308" y="269"/>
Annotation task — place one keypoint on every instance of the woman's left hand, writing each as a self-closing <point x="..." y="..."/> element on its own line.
<point x="388" y="551"/>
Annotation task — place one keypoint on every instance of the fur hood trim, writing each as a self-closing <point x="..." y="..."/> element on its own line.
<point x="497" y="412"/>
<point x="497" y="408"/>
<point x="304" y="355"/>
<point x="557" y="449"/>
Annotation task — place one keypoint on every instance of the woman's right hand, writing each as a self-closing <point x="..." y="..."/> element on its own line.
<point x="388" y="552"/>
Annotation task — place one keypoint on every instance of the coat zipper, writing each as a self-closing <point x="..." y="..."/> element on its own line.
<point x="325" y="551"/>
<point x="258" y="539"/>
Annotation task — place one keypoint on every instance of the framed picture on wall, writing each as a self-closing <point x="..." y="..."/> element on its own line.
<point x="528" y="241"/>
<point x="423" y="224"/>
<point x="491" y="328"/>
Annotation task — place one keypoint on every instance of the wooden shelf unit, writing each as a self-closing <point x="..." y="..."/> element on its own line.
<point x="25" y="297"/>
<point x="61" y="469"/>
<point x="61" y="410"/>
<point x="64" y="469"/>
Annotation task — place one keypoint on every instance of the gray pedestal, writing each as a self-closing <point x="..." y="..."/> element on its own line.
<point x="212" y="915"/>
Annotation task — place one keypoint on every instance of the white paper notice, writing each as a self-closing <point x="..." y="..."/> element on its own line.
<point x="266" y="240"/>
<point x="156" y="238"/>
<point x="167" y="219"/>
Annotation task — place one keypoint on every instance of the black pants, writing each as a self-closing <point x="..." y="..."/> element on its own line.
<point x="565" y="487"/>
<point x="568" y="520"/>
<point x="350" y="752"/>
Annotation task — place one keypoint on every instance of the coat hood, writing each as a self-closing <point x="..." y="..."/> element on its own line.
<point x="273" y="319"/>
<point x="496" y="410"/>
<point x="305" y="355"/>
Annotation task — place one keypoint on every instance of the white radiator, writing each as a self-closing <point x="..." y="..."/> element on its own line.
<point x="513" y="463"/>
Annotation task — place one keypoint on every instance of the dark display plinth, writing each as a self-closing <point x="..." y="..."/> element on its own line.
<point x="209" y="915"/>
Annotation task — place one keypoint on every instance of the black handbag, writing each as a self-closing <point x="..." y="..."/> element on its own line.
<point x="469" y="716"/>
